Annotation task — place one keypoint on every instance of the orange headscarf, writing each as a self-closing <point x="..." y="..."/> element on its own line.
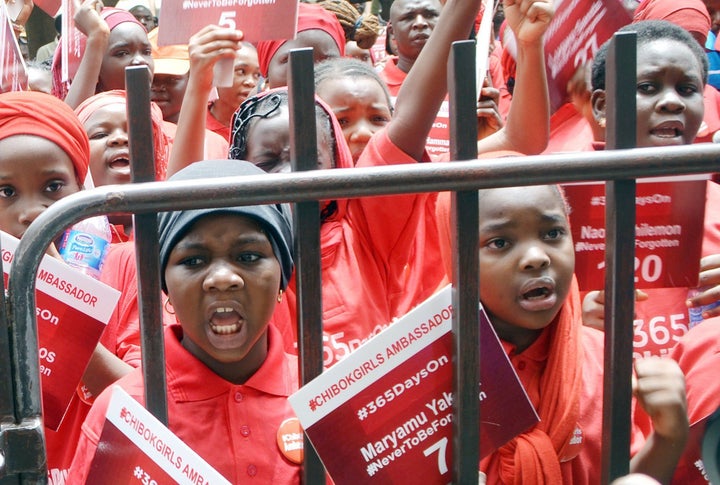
<point x="532" y="457"/>
<point x="43" y="115"/>
<point x="161" y="144"/>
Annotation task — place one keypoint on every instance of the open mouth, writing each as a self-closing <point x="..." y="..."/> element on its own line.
<point x="538" y="295"/>
<point x="225" y="321"/>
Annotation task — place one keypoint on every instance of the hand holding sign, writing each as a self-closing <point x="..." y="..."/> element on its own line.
<point x="210" y="47"/>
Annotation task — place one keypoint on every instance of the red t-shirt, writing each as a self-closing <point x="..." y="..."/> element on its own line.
<point x="215" y="126"/>
<point x="569" y="131"/>
<point x="585" y="466"/>
<point x="232" y="427"/>
<point x="438" y="140"/>
<point x="372" y="260"/>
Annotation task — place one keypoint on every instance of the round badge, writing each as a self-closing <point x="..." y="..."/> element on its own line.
<point x="290" y="440"/>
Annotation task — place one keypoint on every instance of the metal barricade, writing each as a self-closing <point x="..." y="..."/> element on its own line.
<point x="21" y="437"/>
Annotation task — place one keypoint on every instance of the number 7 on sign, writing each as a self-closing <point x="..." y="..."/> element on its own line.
<point x="441" y="447"/>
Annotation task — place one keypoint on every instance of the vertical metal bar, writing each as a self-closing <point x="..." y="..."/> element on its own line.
<point x="619" y="261"/>
<point x="7" y="393"/>
<point x="147" y="250"/>
<point x="466" y="343"/>
<point x="306" y="222"/>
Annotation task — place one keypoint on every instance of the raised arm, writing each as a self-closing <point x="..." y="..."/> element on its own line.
<point x="205" y="48"/>
<point x="528" y="122"/>
<point x="425" y="86"/>
<point x="89" y="22"/>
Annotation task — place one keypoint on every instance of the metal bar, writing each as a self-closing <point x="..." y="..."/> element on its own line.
<point x="147" y="248"/>
<point x="306" y="223"/>
<point x="322" y="184"/>
<point x="619" y="262"/>
<point x="466" y="343"/>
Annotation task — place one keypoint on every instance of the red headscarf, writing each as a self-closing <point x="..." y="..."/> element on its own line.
<point x="310" y="16"/>
<point x="43" y="115"/>
<point x="532" y="457"/>
<point x="160" y="141"/>
<point x="691" y="15"/>
<point x="113" y="17"/>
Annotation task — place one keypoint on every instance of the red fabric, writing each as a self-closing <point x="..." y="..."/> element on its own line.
<point x="114" y="97"/>
<point x="569" y="131"/>
<point x="43" y="115"/>
<point x="216" y="127"/>
<point x="711" y="117"/>
<point x="438" y="140"/>
<point x="691" y="15"/>
<point x="121" y="337"/>
<point x="698" y="354"/>
<point x="212" y="415"/>
<point x="310" y="17"/>
<point x="498" y="79"/>
<point x="365" y="249"/>
<point x="216" y="147"/>
<point x="113" y="17"/>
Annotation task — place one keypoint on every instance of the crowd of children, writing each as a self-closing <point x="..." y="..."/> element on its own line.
<point x="227" y="274"/>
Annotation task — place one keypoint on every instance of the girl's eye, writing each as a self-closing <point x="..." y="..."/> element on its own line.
<point x="343" y="121"/>
<point x="646" y="88"/>
<point x="498" y="244"/>
<point x="56" y="186"/>
<point x="7" y="192"/>
<point x="98" y="136"/>
<point x="688" y="89"/>
<point x="248" y="257"/>
<point x="192" y="261"/>
<point x="556" y="233"/>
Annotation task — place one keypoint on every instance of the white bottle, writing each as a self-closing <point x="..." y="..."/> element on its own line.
<point x="85" y="244"/>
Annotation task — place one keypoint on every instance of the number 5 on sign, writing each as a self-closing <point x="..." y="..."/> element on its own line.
<point x="258" y="19"/>
<point x="441" y="448"/>
<point x="227" y="19"/>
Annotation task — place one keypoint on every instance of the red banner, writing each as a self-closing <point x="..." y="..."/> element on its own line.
<point x="258" y="19"/>
<point x="384" y="413"/>
<point x="72" y="311"/>
<point x="668" y="232"/>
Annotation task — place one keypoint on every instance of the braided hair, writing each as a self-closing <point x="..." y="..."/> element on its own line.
<point x="363" y="29"/>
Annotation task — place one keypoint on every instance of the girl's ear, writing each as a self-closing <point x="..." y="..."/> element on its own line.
<point x="597" y="100"/>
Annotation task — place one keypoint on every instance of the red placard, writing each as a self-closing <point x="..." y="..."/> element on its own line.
<point x="136" y="448"/>
<point x="258" y="19"/>
<point x="13" y="75"/>
<point x="668" y="232"/>
<point x="50" y="7"/>
<point x="577" y="30"/>
<point x="72" y="311"/>
<point x="384" y="413"/>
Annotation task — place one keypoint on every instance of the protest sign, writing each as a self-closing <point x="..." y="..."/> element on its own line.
<point x="72" y="311"/>
<point x="384" y="413"/>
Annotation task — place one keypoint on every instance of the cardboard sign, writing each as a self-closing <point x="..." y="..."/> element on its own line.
<point x="72" y="42"/>
<point x="136" y="448"/>
<point x="668" y="232"/>
<point x="384" y="413"/>
<point x="72" y="311"/>
<point x="258" y="19"/>
<point x="577" y="30"/>
<point x="13" y="74"/>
